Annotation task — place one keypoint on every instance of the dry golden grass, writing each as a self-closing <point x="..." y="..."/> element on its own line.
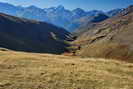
<point x="20" y="70"/>
<point x="111" y="50"/>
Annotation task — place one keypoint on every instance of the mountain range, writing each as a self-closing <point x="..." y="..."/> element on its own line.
<point x="98" y="34"/>
<point x="71" y="20"/>
<point x="37" y="52"/>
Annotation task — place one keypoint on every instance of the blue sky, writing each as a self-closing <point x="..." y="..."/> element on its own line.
<point x="71" y="4"/>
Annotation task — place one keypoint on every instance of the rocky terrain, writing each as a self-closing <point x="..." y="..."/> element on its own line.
<point x="71" y="20"/>
<point x="111" y="38"/>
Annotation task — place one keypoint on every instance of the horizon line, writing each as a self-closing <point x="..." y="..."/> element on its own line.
<point x="26" y="6"/>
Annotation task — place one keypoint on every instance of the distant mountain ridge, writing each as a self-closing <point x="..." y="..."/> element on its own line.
<point x="89" y="23"/>
<point x="58" y="16"/>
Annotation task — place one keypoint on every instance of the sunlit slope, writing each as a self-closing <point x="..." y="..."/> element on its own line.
<point x="112" y="38"/>
<point x="45" y="71"/>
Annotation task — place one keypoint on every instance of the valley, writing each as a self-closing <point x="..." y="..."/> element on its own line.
<point x="57" y="48"/>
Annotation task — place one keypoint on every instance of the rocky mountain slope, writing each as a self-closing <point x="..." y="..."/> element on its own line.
<point x="111" y="38"/>
<point x="32" y="36"/>
<point x="89" y="22"/>
<point x="68" y="19"/>
<point x="114" y="12"/>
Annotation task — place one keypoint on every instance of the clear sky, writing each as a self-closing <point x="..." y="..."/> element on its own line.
<point x="72" y="4"/>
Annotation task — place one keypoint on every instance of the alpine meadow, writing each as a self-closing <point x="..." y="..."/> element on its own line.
<point x="66" y="44"/>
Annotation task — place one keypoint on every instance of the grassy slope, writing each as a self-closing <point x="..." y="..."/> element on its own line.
<point x="45" y="71"/>
<point x="109" y="39"/>
<point x="32" y="36"/>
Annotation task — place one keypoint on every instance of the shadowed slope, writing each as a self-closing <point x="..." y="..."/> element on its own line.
<point x="33" y="36"/>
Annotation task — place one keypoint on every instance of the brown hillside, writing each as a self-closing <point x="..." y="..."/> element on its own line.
<point x="112" y="38"/>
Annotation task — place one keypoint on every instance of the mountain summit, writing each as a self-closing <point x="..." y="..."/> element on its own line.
<point x="60" y="7"/>
<point x="58" y="16"/>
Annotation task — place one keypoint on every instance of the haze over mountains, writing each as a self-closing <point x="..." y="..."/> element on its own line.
<point x="37" y="51"/>
<point x="95" y="30"/>
<point x="59" y="16"/>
